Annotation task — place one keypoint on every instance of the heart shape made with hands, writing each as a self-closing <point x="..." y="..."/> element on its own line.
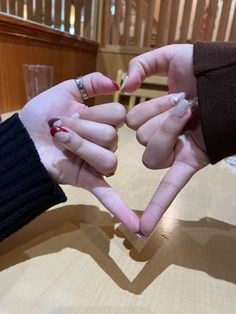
<point x="158" y="122"/>
<point x="159" y="130"/>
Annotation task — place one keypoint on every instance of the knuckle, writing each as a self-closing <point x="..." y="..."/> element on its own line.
<point x="131" y="120"/>
<point x="149" y="163"/>
<point x="98" y="74"/>
<point x="111" y="164"/>
<point x="120" y="110"/>
<point x="78" y="145"/>
<point x="120" y="114"/>
<point x="168" y="129"/>
<point x="110" y="137"/>
<point x="141" y="137"/>
<point x="167" y="185"/>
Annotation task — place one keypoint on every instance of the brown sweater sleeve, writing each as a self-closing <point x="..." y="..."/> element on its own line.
<point x="215" y="70"/>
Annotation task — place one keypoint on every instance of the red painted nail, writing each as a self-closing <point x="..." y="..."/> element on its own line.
<point x="51" y="122"/>
<point x="56" y="129"/>
<point x="116" y="85"/>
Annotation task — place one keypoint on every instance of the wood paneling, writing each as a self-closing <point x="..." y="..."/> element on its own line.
<point x="24" y="42"/>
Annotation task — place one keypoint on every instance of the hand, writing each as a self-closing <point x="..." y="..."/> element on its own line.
<point x="86" y="155"/>
<point x="173" y="60"/>
<point x="166" y="147"/>
<point x="160" y="126"/>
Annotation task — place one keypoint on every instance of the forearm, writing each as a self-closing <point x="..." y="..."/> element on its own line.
<point x="215" y="71"/>
<point x="26" y="189"/>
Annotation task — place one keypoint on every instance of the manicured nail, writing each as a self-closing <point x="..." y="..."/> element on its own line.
<point x="181" y="108"/>
<point x="124" y="82"/>
<point x="75" y="115"/>
<point x="60" y="133"/>
<point x="140" y="234"/>
<point x="175" y="98"/>
<point x="116" y="85"/>
<point x="52" y="121"/>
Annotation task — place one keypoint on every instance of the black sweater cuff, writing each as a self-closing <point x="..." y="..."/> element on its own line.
<point x="26" y="189"/>
<point x="215" y="71"/>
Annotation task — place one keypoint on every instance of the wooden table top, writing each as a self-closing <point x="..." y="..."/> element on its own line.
<point x="75" y="258"/>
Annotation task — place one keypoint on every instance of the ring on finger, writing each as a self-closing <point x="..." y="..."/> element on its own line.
<point x="80" y="84"/>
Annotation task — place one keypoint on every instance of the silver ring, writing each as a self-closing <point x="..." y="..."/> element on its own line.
<point x="193" y="103"/>
<point x="80" y="84"/>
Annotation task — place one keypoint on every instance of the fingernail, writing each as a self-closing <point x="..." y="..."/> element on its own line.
<point x="124" y="82"/>
<point x="140" y="234"/>
<point x="60" y="133"/>
<point x="110" y="174"/>
<point x="181" y="109"/>
<point x="52" y="121"/>
<point x="116" y="85"/>
<point x="75" y="115"/>
<point x="175" y="98"/>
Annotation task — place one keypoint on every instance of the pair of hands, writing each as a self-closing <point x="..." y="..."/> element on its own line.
<point x="82" y="152"/>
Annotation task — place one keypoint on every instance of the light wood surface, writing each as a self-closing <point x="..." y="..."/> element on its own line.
<point x="75" y="258"/>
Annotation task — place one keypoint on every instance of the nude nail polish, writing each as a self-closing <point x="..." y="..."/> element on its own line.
<point x="175" y="98"/>
<point x="52" y="121"/>
<point x="124" y="82"/>
<point x="181" y="109"/>
<point x="60" y="133"/>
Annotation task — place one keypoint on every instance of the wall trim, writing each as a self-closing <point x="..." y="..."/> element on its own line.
<point x="18" y="27"/>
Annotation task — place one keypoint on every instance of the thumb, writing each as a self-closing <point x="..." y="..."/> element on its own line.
<point x="98" y="84"/>
<point x="147" y="64"/>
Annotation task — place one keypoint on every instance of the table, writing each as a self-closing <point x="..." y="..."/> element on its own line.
<point x="75" y="258"/>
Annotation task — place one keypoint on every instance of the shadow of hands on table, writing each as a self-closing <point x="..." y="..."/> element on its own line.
<point x="206" y="245"/>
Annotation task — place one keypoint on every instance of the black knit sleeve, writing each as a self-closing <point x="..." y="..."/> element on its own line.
<point x="26" y="189"/>
<point x="215" y="71"/>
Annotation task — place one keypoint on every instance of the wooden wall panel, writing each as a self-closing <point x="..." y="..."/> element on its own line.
<point x="24" y="42"/>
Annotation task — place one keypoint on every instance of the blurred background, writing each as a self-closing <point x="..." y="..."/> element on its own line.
<point x="81" y="36"/>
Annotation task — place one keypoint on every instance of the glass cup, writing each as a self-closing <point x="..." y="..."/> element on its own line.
<point x="37" y="78"/>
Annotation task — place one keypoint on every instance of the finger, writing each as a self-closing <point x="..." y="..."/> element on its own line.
<point x="110" y="113"/>
<point x="147" y="64"/>
<point x="159" y="152"/>
<point x="101" y="159"/>
<point x="112" y="201"/>
<point x="142" y="112"/>
<point x="93" y="84"/>
<point x="99" y="133"/>
<point x="175" y="179"/>
<point x="98" y="84"/>
<point x="145" y="132"/>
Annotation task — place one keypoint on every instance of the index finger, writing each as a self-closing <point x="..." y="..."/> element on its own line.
<point x="95" y="84"/>
<point x="145" y="111"/>
<point x="110" y="113"/>
<point x="172" y="183"/>
<point x="112" y="201"/>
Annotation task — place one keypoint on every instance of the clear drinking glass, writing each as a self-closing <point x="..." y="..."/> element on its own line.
<point x="38" y="78"/>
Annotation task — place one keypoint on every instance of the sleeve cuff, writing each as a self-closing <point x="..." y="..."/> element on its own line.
<point x="215" y="71"/>
<point x="26" y="188"/>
